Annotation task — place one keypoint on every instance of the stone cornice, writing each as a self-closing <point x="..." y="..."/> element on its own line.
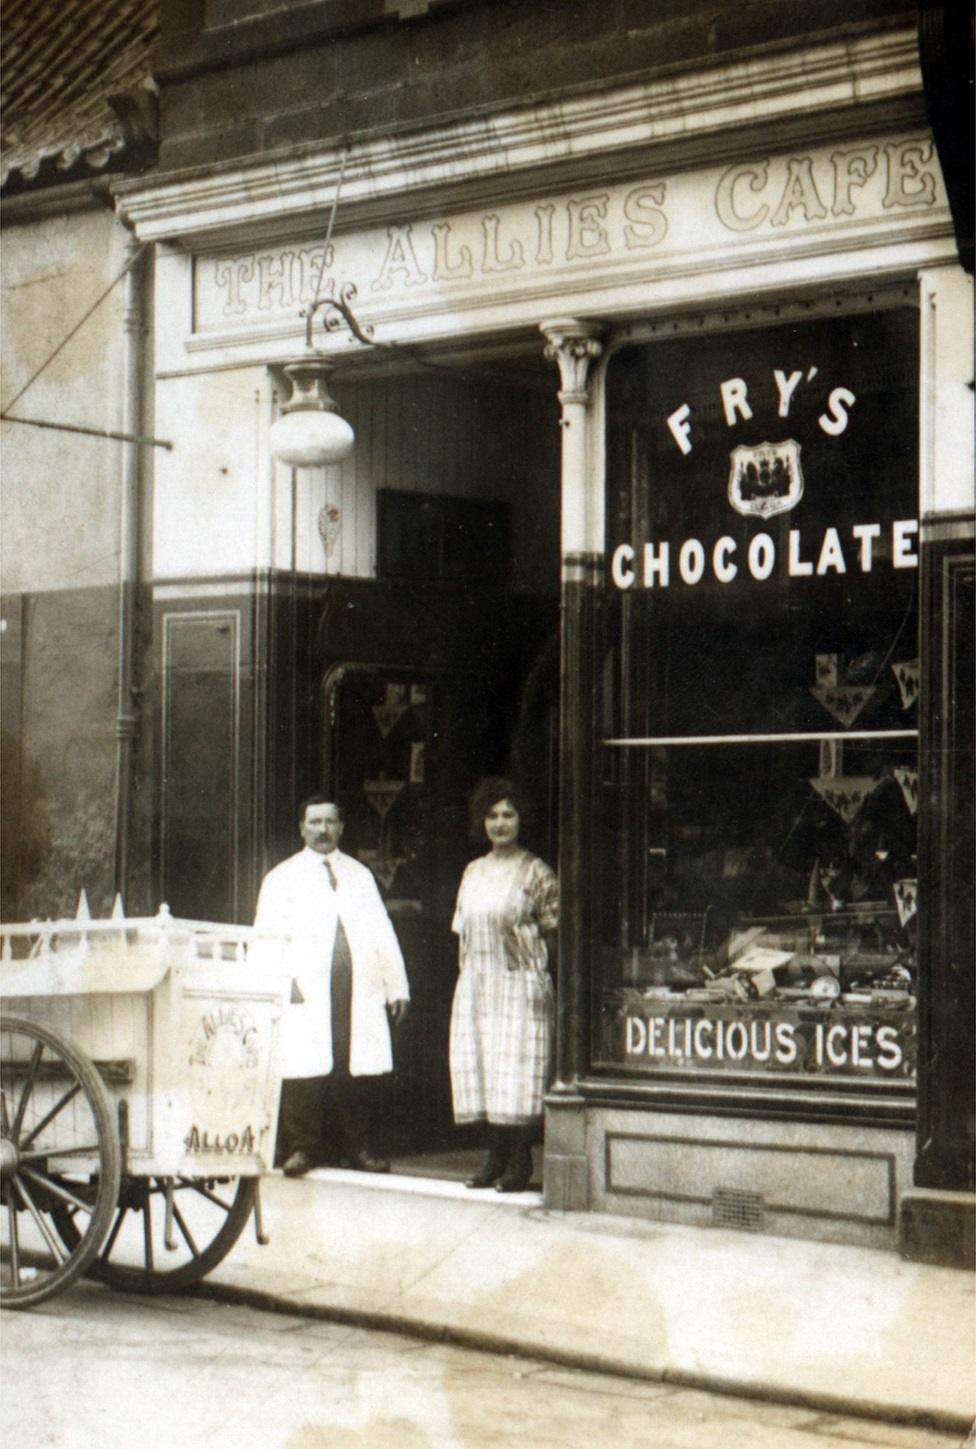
<point x="857" y="81"/>
<point x="55" y="201"/>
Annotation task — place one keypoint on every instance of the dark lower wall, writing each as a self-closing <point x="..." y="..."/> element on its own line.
<point x="239" y="693"/>
<point x="59" y="653"/>
<point x="236" y="692"/>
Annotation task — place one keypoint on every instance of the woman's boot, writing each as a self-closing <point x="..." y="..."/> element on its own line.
<point x="495" y="1162"/>
<point x="518" y="1170"/>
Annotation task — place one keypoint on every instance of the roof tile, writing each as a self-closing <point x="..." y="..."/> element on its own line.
<point x="62" y="60"/>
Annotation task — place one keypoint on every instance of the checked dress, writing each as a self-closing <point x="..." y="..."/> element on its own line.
<point x="503" y="1013"/>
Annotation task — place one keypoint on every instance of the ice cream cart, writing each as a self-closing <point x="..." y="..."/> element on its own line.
<point x="139" y="1098"/>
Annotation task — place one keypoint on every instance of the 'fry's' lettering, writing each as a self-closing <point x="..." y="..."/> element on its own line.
<point x="660" y="564"/>
<point x="734" y="395"/>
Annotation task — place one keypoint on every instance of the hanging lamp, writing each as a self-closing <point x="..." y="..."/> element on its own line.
<point x="309" y="432"/>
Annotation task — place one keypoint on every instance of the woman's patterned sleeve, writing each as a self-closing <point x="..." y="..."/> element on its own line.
<point x="545" y="891"/>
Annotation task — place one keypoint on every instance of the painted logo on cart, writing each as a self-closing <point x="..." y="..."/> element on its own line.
<point x="225" y="1059"/>
<point x="228" y="1036"/>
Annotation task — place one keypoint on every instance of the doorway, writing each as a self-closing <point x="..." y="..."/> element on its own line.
<point x="404" y="745"/>
<point x="438" y="664"/>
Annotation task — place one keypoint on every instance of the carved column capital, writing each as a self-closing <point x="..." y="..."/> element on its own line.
<point x="573" y="344"/>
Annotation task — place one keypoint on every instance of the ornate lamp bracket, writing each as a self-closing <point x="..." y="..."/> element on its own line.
<point x="337" y="310"/>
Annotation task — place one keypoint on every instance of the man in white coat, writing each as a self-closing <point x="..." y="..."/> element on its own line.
<point x="344" y="954"/>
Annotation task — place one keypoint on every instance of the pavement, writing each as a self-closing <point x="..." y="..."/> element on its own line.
<point x="843" y="1329"/>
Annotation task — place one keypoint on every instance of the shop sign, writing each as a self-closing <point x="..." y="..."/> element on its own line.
<point x="828" y="551"/>
<point x="765" y="479"/>
<point x="864" y="1042"/>
<point x="521" y="247"/>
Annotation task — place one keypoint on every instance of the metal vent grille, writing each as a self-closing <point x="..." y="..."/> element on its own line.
<point x="734" y="1208"/>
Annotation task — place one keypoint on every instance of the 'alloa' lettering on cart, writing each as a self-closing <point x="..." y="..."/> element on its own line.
<point x="239" y="1144"/>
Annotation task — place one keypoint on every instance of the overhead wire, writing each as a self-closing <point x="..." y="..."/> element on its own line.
<point x="328" y="231"/>
<point x="77" y="328"/>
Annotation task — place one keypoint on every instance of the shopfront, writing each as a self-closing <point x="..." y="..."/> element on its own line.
<point x="722" y="380"/>
<point x="773" y="656"/>
<point x="758" y="791"/>
<point x="767" y="798"/>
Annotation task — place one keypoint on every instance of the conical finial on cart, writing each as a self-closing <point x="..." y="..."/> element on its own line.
<point x="83" y="913"/>
<point x="118" y="909"/>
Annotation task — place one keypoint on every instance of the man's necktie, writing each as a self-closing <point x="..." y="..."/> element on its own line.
<point x="332" y="875"/>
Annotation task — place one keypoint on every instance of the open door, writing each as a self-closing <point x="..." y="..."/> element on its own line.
<point x="404" y="746"/>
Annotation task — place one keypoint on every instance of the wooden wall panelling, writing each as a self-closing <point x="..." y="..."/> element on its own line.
<point x="201" y="762"/>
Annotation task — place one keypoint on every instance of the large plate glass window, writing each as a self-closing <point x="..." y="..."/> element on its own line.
<point x="760" y="782"/>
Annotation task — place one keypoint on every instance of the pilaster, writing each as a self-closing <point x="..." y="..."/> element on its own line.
<point x="936" y="1218"/>
<point x="573" y="345"/>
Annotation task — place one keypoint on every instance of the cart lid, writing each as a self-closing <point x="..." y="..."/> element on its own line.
<point x="81" y="973"/>
<point x="124" y="955"/>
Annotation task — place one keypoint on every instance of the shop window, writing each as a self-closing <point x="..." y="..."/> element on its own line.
<point x="760" y="782"/>
<point x="435" y="536"/>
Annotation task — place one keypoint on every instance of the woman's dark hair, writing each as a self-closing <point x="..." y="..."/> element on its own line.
<point x="489" y="792"/>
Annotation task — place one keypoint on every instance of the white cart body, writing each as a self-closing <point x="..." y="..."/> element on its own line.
<point x="181" y="1018"/>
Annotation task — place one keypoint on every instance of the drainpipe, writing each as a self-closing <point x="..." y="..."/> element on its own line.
<point x="127" y="718"/>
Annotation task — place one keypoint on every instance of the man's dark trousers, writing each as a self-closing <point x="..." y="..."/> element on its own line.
<point x="331" y="1117"/>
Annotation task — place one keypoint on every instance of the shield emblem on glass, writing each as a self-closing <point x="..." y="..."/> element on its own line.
<point x="765" y="478"/>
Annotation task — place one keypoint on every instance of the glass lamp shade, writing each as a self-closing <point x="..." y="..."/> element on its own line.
<point x="310" y="433"/>
<point x="311" y="439"/>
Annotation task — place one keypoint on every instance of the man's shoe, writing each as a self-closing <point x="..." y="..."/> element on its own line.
<point x="366" y="1162"/>
<point x="297" y="1164"/>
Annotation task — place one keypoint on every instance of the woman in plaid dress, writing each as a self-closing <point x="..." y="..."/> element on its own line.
<point x="503" y="1014"/>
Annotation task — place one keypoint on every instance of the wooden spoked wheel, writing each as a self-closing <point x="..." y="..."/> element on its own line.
<point x="167" y="1232"/>
<point x="59" y="1155"/>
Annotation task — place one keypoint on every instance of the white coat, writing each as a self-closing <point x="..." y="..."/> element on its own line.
<point x="297" y="902"/>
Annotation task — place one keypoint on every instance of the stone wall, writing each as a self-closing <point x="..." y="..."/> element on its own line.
<point x="60" y="558"/>
<point x="245" y="82"/>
